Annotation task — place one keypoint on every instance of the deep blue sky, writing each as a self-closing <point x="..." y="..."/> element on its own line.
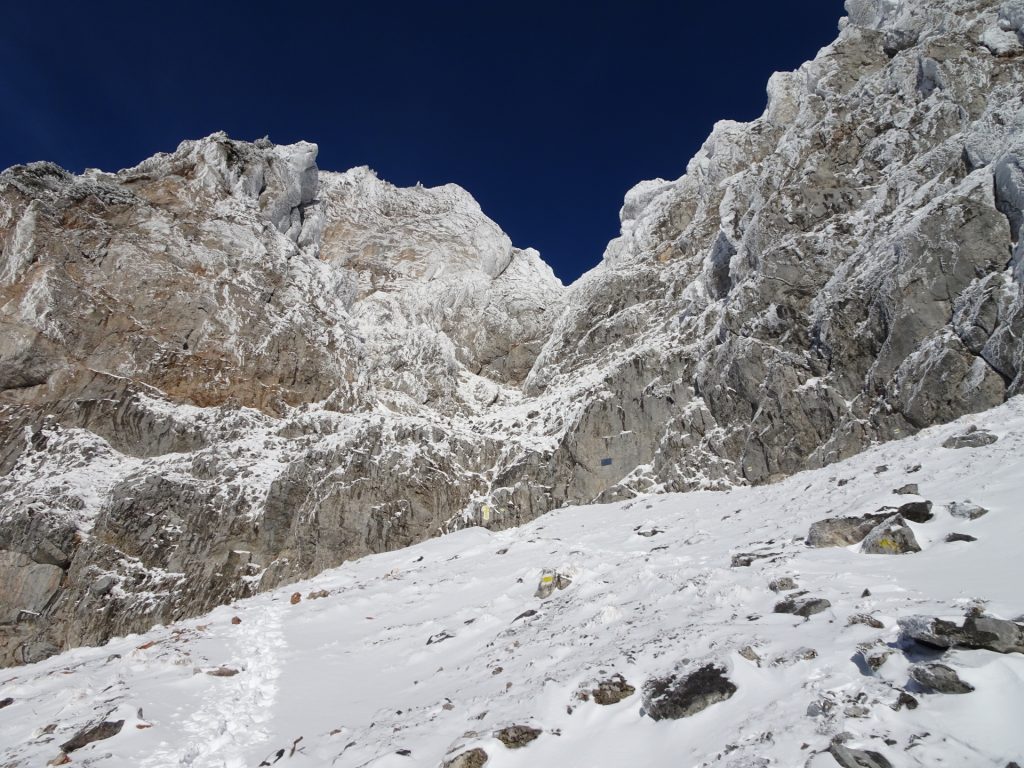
<point x="547" y="112"/>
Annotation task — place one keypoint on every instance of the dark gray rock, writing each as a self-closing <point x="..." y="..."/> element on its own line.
<point x="677" y="696"/>
<point x="916" y="511"/>
<point x="857" y="758"/>
<point x="939" y="678"/>
<point x="966" y="510"/>
<point x="954" y="537"/>
<point x="972" y="438"/>
<point x="891" y="537"/>
<point x="91" y="733"/>
<point x="842" y="531"/>
<point x="985" y="632"/>
<point x="802" y="606"/>
<point x="25" y="586"/>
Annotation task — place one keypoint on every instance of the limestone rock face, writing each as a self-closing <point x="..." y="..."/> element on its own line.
<point x="224" y="369"/>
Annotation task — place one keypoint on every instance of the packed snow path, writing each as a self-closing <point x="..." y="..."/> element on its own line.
<point x="412" y="657"/>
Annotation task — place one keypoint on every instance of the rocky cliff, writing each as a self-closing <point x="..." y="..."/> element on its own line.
<point x="223" y="369"/>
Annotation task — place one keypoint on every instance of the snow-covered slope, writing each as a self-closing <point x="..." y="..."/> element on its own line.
<point x="415" y="657"/>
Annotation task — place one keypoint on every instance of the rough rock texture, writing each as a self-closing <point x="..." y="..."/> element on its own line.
<point x="985" y="632"/>
<point x="857" y="758"/>
<point x="891" y="537"/>
<point x="676" y="696"/>
<point x="939" y="678"/>
<point x="972" y="438"/>
<point x="842" y="531"/>
<point x="517" y="736"/>
<point x="966" y="510"/>
<point x="222" y="369"/>
<point x="612" y="691"/>
<point x="916" y="511"/>
<point x="473" y="758"/>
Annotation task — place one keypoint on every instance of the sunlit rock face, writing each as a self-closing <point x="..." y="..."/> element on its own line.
<point x="224" y="369"/>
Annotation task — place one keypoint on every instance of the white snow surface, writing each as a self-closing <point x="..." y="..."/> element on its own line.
<point x="349" y="679"/>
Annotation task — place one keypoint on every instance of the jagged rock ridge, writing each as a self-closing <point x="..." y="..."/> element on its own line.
<point x="223" y="369"/>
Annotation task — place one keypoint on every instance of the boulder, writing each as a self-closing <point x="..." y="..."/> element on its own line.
<point x="857" y="758"/>
<point x="966" y="510"/>
<point x="892" y="537"/>
<point x="677" y="696"/>
<point x="984" y="632"/>
<point x="841" y="531"/>
<point x="939" y="678"/>
<point x="954" y="537"/>
<point x="916" y="511"/>
<point x="972" y="438"/>
<point x="802" y="606"/>
<point x="91" y="733"/>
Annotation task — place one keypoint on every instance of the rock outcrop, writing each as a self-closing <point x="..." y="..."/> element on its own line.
<point x="223" y="369"/>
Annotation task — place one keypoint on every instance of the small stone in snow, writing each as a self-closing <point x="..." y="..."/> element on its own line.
<point x="864" y="618"/>
<point x="905" y="700"/>
<point x="517" y="736"/>
<point x="296" y="598"/>
<point x="474" y="758"/>
<point x="612" y="691"/>
<point x="953" y="537"/>
<point x="222" y="672"/>
<point x="440" y="637"/>
<point x="966" y="510"/>
<point x="910" y="489"/>
<point x="6" y="702"/>
<point x="235" y="620"/>
<point x="783" y="584"/>
<point x="857" y="758"/>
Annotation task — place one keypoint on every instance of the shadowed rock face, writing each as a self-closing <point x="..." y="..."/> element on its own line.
<point x="223" y="369"/>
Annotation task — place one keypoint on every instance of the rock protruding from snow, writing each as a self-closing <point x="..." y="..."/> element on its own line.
<point x="985" y="632"/>
<point x="890" y="537"/>
<point x="686" y="694"/>
<point x="939" y="678"/>
<point x="842" y="531"/>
